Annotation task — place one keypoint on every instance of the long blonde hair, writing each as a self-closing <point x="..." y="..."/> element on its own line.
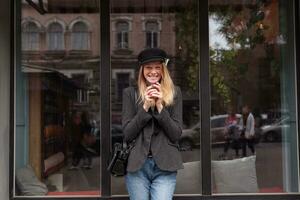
<point x="167" y="86"/>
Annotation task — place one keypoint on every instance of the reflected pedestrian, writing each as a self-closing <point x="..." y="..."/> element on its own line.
<point x="231" y="133"/>
<point x="80" y="131"/>
<point x="248" y="131"/>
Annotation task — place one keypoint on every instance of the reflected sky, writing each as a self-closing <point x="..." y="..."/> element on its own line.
<point x="216" y="39"/>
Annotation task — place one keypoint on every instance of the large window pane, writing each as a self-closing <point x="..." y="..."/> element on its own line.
<point x="174" y="28"/>
<point x="57" y="134"/>
<point x="253" y="100"/>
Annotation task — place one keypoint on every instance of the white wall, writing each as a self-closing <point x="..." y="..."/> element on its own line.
<point x="4" y="98"/>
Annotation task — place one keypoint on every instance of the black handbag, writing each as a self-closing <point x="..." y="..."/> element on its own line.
<point x="118" y="163"/>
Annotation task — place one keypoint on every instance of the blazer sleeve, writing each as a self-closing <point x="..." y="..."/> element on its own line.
<point x="171" y="119"/>
<point x="133" y="119"/>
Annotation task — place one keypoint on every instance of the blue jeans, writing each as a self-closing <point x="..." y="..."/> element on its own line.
<point x="150" y="182"/>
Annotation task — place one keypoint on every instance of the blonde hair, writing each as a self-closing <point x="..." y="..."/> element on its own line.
<point x="167" y="86"/>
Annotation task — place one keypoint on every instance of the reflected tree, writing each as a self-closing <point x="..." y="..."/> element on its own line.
<point x="242" y="26"/>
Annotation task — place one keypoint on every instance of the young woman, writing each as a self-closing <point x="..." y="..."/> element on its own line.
<point x="152" y="121"/>
<point x="231" y="133"/>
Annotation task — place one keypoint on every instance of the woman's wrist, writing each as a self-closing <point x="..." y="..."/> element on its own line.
<point x="159" y="107"/>
<point x="146" y="107"/>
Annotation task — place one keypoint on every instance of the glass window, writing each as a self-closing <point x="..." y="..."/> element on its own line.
<point x="151" y="34"/>
<point x="177" y="34"/>
<point x="82" y="92"/>
<point x="252" y="73"/>
<point x="122" y="34"/>
<point x="55" y="36"/>
<point x="122" y="83"/>
<point x="80" y="36"/>
<point x="30" y="36"/>
<point x="57" y="137"/>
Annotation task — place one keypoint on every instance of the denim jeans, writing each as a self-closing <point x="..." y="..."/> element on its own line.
<point x="150" y="182"/>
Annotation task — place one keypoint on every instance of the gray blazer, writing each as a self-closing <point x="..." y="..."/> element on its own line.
<point x="158" y="132"/>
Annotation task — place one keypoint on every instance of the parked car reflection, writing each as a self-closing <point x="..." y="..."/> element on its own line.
<point x="190" y="137"/>
<point x="116" y="134"/>
<point x="273" y="132"/>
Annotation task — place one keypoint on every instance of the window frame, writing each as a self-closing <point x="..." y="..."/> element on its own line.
<point x="30" y="35"/>
<point x="124" y="35"/>
<point x="15" y="57"/>
<point x="114" y="76"/>
<point x="85" y="33"/>
<point x="152" y="34"/>
<point x="58" y="35"/>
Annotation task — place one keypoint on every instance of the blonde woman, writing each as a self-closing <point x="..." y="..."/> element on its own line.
<point x="152" y="120"/>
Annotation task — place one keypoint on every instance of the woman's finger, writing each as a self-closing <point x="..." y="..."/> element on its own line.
<point x="156" y="94"/>
<point x="157" y="86"/>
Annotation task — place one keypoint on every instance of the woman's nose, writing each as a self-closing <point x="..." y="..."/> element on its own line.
<point x="152" y="71"/>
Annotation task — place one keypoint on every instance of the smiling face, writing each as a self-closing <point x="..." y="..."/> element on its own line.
<point x="152" y="72"/>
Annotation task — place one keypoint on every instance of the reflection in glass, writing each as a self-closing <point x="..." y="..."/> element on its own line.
<point x="80" y="36"/>
<point x="122" y="34"/>
<point x="57" y="101"/>
<point x="252" y="74"/>
<point x="30" y="36"/>
<point x="55" y="36"/>
<point x="151" y="34"/>
<point x="174" y="28"/>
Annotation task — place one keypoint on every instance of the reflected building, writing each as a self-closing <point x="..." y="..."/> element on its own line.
<point x="66" y="43"/>
<point x="65" y="40"/>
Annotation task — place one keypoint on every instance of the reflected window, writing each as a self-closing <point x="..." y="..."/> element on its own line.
<point x="122" y="28"/>
<point x="80" y="36"/>
<point x="55" y="36"/>
<point x="152" y="34"/>
<point x="30" y="36"/>
<point x="81" y="93"/>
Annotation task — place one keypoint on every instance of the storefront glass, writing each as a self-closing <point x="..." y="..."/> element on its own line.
<point x="172" y="26"/>
<point x="252" y="77"/>
<point x="253" y="99"/>
<point x="57" y="133"/>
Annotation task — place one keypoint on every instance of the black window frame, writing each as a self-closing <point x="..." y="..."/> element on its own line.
<point x="105" y="72"/>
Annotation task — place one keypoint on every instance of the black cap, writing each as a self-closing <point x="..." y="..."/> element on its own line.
<point x="152" y="54"/>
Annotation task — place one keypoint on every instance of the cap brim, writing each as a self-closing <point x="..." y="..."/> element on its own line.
<point x="152" y="60"/>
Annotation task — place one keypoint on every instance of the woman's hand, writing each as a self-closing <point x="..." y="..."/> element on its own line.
<point x="149" y="99"/>
<point x="157" y="94"/>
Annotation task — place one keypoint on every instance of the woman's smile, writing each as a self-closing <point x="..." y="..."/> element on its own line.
<point x="152" y="72"/>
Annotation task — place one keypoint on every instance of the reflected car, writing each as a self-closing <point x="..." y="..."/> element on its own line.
<point x="116" y="134"/>
<point x="273" y="132"/>
<point x="190" y="137"/>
